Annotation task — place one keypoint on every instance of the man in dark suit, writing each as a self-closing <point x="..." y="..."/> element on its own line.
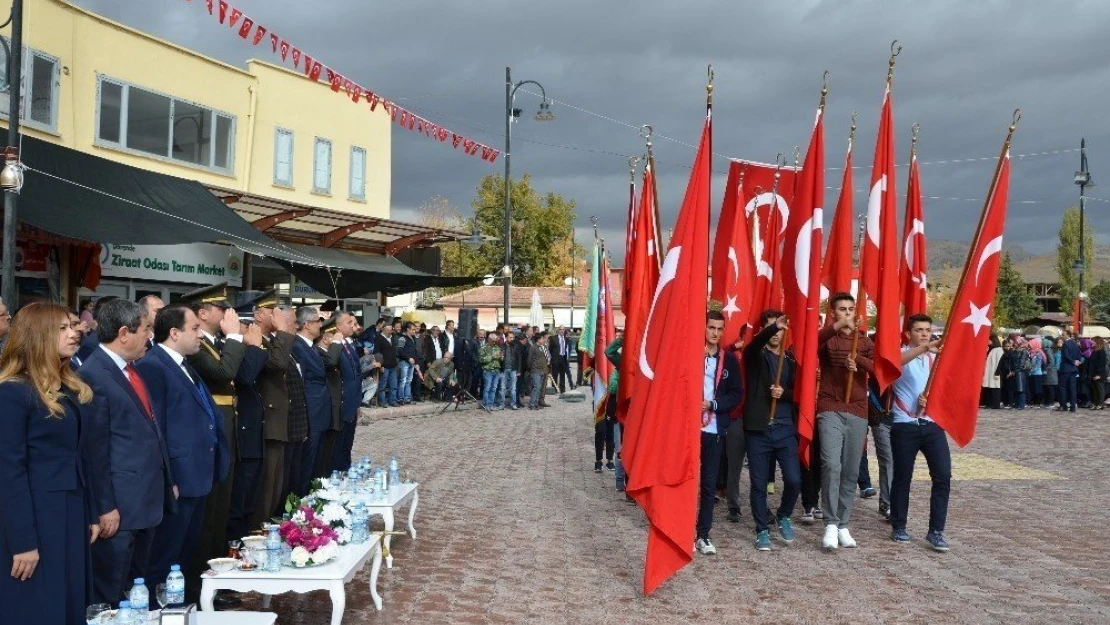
<point x="539" y="367"/>
<point x="129" y="463"/>
<point x="221" y="353"/>
<point x="250" y="416"/>
<point x="327" y="346"/>
<point x="561" y="347"/>
<point x="151" y="305"/>
<point x="276" y="385"/>
<point x="92" y="339"/>
<point x="198" y="447"/>
<point x="317" y="396"/>
<point x="344" y="353"/>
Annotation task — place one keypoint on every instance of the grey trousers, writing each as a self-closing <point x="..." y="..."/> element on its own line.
<point x="881" y="435"/>
<point x="734" y="451"/>
<point x="842" y="435"/>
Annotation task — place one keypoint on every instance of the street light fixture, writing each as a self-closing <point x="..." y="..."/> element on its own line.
<point x="1083" y="179"/>
<point x="543" y="115"/>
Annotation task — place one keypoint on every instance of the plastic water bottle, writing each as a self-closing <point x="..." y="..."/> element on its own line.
<point x="394" y="472"/>
<point x="334" y="481"/>
<point x="359" y="530"/>
<point x="124" y="615"/>
<point x="382" y="481"/>
<point x="140" y="600"/>
<point x="175" y="586"/>
<point x="273" y="550"/>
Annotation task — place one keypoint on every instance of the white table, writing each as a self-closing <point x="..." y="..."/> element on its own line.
<point x="393" y="501"/>
<point x="233" y="618"/>
<point x="331" y="577"/>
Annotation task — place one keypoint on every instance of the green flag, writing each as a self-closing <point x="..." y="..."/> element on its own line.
<point x="589" y="327"/>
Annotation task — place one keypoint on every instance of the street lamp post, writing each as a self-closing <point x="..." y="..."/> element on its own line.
<point x="11" y="178"/>
<point x="572" y="280"/>
<point x="543" y="115"/>
<point x="1083" y="179"/>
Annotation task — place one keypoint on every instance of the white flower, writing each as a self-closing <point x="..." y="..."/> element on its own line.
<point x="325" y="553"/>
<point x="300" y="556"/>
<point x="344" y="535"/>
<point x="332" y="512"/>
<point x="298" y="517"/>
<point x="316" y="531"/>
<point x="329" y="494"/>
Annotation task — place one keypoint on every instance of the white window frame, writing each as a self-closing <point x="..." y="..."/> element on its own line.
<point x="121" y="146"/>
<point x="278" y="132"/>
<point x="331" y="159"/>
<point x="28" y="79"/>
<point x="358" y="194"/>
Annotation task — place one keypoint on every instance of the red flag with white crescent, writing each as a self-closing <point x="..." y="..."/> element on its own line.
<point x="663" y="430"/>
<point x="836" y="273"/>
<point x="913" y="261"/>
<point x="605" y="333"/>
<point x="738" y="277"/>
<point x="767" y="246"/>
<point x="802" y="282"/>
<point x="958" y="371"/>
<point x="879" y="262"/>
<point x="719" y="268"/>
<point x="641" y="275"/>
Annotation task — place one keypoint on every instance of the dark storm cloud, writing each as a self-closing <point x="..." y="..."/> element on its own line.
<point x="964" y="68"/>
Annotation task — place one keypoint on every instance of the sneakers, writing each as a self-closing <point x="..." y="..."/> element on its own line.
<point x="703" y="546"/>
<point x="936" y="539"/>
<point x="763" y="541"/>
<point x="807" y="516"/>
<point x="609" y="465"/>
<point x="845" y="538"/>
<point x="733" y="516"/>
<point x="817" y="514"/>
<point x="829" y="542"/>
<point x="597" y="467"/>
<point x="884" y="509"/>
<point x="868" y="493"/>
<point x="900" y="536"/>
<point x="786" y="530"/>
<point x="771" y="488"/>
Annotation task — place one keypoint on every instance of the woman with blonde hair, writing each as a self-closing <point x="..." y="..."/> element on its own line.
<point x="46" y="522"/>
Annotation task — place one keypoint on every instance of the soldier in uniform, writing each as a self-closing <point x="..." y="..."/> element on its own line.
<point x="330" y="346"/>
<point x="222" y="349"/>
<point x="250" y="411"/>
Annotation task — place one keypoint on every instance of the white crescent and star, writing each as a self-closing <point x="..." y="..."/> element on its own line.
<point x="769" y="199"/>
<point x="916" y="229"/>
<point x="666" y="276"/>
<point x="994" y="246"/>
<point x="804" y="249"/>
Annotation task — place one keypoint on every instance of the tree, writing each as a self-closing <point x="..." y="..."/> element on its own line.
<point x="1067" y="252"/>
<point x="942" y="292"/>
<point x="1099" y="305"/>
<point x="1013" y="303"/>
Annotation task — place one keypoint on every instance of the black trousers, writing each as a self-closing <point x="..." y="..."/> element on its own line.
<point x="711" y="445"/>
<point x="309" y="452"/>
<point x="906" y="440"/>
<point x="994" y="398"/>
<point x="764" y="450"/>
<point x="603" y="439"/>
<point x="291" y="476"/>
<point x="175" y="542"/>
<point x="244" y="496"/>
<point x="344" y="442"/>
<point x="560" y="368"/>
<point x="117" y="561"/>
<point x="811" y="477"/>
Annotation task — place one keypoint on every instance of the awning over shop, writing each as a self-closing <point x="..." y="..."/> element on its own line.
<point x="82" y="196"/>
<point x="347" y="274"/>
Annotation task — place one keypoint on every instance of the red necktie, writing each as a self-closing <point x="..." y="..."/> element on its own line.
<point x="140" y="389"/>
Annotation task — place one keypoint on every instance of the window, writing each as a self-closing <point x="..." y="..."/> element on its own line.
<point x="39" y="90"/>
<point x="358" y="174"/>
<point x="141" y="120"/>
<point x="321" y="167"/>
<point x="283" y="157"/>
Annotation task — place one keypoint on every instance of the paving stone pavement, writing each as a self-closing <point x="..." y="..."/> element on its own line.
<point x="515" y="527"/>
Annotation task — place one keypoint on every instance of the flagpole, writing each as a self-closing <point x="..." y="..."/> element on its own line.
<point x="974" y="245"/>
<point x="645" y="132"/>
<point x="861" y="296"/>
<point x="709" y="170"/>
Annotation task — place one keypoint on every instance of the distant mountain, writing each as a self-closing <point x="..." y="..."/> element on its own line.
<point x="948" y="253"/>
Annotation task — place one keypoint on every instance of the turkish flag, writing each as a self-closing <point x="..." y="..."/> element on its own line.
<point x="879" y="261"/>
<point x="738" y="276"/>
<point x="720" y="262"/>
<point x="223" y="11"/>
<point x="663" y="430"/>
<point x="641" y="274"/>
<point x="604" y="335"/>
<point x="836" y="274"/>
<point x="767" y="247"/>
<point x="958" y="371"/>
<point x="802" y="282"/>
<point x="913" y="261"/>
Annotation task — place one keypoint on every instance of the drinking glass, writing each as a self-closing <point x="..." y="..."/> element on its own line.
<point x="233" y="548"/>
<point x="97" y="613"/>
<point x="160" y="595"/>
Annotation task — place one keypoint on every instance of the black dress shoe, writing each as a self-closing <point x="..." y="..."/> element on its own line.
<point x="734" y="516"/>
<point x="224" y="601"/>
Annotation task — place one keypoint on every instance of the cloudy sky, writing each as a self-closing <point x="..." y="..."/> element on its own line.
<point x="613" y="65"/>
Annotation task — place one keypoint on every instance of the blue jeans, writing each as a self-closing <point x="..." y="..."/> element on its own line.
<point x="508" y="388"/>
<point x="387" y="386"/>
<point x="404" y="381"/>
<point x="537" y="391"/>
<point x="764" y="448"/>
<point x="906" y="439"/>
<point x="489" y="387"/>
<point x="711" y="448"/>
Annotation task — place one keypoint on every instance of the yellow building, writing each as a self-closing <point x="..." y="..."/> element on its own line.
<point x="101" y="87"/>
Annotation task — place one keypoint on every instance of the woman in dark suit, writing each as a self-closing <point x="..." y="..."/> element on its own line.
<point x="46" y="519"/>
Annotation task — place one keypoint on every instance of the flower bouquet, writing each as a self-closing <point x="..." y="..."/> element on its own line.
<point x="328" y="505"/>
<point x="313" y="541"/>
